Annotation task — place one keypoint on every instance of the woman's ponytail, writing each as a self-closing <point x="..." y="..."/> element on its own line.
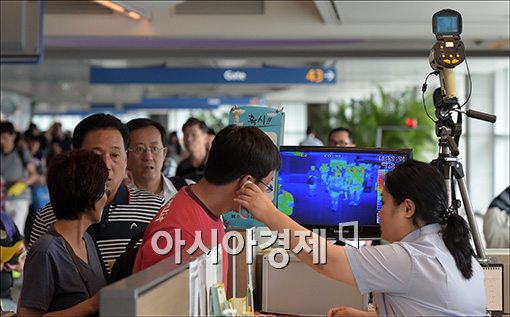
<point x="424" y="185"/>
<point x="456" y="237"/>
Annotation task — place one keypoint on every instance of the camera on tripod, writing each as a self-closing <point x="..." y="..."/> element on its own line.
<point x="448" y="52"/>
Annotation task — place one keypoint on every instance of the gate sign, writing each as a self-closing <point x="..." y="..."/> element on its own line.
<point x="193" y="75"/>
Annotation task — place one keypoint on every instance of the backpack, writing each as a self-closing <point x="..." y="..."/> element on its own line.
<point x="123" y="266"/>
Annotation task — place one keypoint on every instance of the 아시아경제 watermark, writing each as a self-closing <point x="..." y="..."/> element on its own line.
<point x="164" y="242"/>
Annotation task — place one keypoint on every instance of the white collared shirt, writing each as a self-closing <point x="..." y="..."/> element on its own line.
<point x="418" y="276"/>
<point x="169" y="189"/>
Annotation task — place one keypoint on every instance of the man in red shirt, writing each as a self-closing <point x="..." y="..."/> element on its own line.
<point x="238" y="154"/>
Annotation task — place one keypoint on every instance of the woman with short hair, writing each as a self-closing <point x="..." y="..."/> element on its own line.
<point x="63" y="273"/>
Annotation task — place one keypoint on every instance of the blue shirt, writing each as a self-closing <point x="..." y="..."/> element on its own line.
<point x="52" y="281"/>
<point x="418" y="276"/>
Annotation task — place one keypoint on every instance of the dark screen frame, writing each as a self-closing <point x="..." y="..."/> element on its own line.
<point x="365" y="232"/>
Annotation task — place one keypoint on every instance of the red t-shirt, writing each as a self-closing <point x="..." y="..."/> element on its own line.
<point x="185" y="211"/>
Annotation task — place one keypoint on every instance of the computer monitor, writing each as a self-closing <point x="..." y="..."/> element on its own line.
<point x="320" y="187"/>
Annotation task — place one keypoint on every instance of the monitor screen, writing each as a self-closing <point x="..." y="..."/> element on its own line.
<point x="320" y="187"/>
<point x="447" y="24"/>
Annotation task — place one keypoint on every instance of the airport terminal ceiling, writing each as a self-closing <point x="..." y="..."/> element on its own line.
<point x="369" y="43"/>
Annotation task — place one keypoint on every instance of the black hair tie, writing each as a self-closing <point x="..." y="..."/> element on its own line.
<point x="448" y="212"/>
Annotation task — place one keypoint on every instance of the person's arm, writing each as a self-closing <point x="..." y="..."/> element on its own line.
<point x="85" y="308"/>
<point x="33" y="176"/>
<point x="20" y="263"/>
<point x="349" y="311"/>
<point x="258" y="204"/>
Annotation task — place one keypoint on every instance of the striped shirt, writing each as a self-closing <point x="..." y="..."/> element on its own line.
<point x="129" y="213"/>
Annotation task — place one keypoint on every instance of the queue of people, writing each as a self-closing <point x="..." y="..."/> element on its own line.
<point x="137" y="149"/>
<point x="112" y="188"/>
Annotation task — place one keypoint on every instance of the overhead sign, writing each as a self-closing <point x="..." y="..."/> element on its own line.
<point x="82" y="113"/>
<point x="189" y="102"/>
<point x="189" y="75"/>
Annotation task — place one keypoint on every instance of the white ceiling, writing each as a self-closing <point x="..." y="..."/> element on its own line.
<point x="370" y="43"/>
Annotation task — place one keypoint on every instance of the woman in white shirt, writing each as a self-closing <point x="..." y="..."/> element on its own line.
<point x="427" y="269"/>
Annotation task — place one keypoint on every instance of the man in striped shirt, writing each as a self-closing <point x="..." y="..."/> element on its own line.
<point x="128" y="211"/>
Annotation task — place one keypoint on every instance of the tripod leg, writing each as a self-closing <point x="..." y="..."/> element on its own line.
<point x="471" y="217"/>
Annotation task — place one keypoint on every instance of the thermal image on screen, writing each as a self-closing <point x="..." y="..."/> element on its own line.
<point x="329" y="187"/>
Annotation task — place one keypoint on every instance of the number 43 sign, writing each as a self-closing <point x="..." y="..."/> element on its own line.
<point x="318" y="75"/>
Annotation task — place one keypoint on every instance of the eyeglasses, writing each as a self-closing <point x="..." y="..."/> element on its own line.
<point x="340" y="143"/>
<point x="268" y="187"/>
<point x="142" y="149"/>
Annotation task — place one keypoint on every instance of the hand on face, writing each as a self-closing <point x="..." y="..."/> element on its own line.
<point x="251" y="197"/>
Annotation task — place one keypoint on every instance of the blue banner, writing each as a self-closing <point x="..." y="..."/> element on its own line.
<point x="82" y="113"/>
<point x="193" y="103"/>
<point x="193" y="75"/>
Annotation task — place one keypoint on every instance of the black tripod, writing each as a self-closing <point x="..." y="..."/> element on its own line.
<point x="448" y="163"/>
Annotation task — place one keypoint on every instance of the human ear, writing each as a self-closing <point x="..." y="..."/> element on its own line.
<point x="245" y="179"/>
<point x="410" y="208"/>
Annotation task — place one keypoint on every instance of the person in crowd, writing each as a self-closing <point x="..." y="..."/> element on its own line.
<point x="174" y="155"/>
<point x="196" y="141"/>
<point x="238" y="155"/>
<point x="35" y="147"/>
<point x="311" y="138"/>
<point x="211" y="135"/>
<point x="128" y="210"/>
<point x="146" y="156"/>
<point x="341" y="137"/>
<point x="53" y="150"/>
<point x="63" y="273"/>
<point x="33" y="133"/>
<point x="56" y="134"/>
<point x="496" y="222"/>
<point x="428" y="269"/>
<point x="13" y="259"/>
<point x="19" y="171"/>
<point x="12" y="251"/>
<point x="174" y="146"/>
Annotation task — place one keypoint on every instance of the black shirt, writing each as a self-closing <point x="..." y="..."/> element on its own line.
<point x="186" y="170"/>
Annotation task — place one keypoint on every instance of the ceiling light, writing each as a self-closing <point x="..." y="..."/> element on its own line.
<point x="122" y="8"/>
<point x="111" y="5"/>
<point x="133" y="15"/>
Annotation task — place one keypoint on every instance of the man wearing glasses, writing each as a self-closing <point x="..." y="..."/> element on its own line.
<point x="341" y="137"/>
<point x="146" y="157"/>
<point x="238" y="155"/>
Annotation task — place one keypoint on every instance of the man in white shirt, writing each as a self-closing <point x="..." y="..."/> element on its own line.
<point x="146" y="156"/>
<point x="311" y="138"/>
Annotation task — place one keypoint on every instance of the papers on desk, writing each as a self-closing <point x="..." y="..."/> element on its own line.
<point x="203" y="274"/>
<point x="494" y="286"/>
